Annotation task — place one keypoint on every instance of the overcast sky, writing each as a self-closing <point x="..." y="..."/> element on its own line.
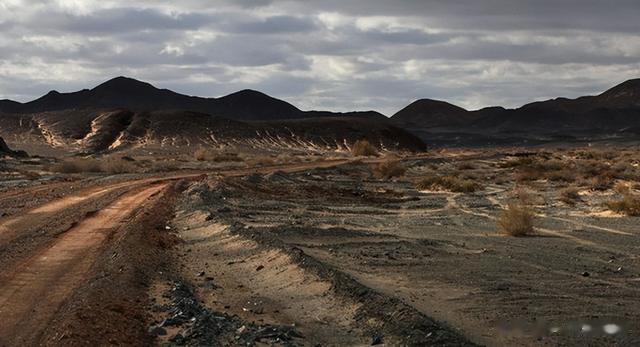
<point x="325" y="54"/>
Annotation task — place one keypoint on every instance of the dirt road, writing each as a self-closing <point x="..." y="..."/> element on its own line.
<point x="50" y="241"/>
<point x="32" y="292"/>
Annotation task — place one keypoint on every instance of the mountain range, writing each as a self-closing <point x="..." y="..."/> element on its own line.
<point x="126" y="112"/>
<point x="138" y="96"/>
<point x="614" y="113"/>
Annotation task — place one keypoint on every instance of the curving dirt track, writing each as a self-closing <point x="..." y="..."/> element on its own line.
<point x="55" y="237"/>
<point x="31" y="293"/>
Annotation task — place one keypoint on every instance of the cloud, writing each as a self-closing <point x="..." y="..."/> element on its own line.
<point x="329" y="54"/>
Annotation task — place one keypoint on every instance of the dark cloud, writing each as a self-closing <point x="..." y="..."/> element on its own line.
<point x="110" y="21"/>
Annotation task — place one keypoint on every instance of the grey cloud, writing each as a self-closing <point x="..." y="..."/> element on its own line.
<point x="215" y="46"/>
<point x="270" y="25"/>
<point x="110" y="21"/>
<point x="497" y="14"/>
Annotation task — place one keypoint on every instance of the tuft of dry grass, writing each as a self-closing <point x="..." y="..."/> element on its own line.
<point x="363" y="148"/>
<point x="218" y="156"/>
<point x="118" y="166"/>
<point x="570" y="195"/>
<point x="389" y="168"/>
<point x="448" y="183"/>
<point x="465" y="166"/>
<point x="629" y="205"/>
<point x="516" y="219"/>
<point x="201" y="154"/>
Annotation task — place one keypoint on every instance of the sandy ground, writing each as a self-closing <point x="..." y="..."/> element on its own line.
<point x="312" y="253"/>
<point x="439" y="253"/>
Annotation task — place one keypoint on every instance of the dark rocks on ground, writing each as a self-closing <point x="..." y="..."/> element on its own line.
<point x="203" y="327"/>
<point x="5" y="150"/>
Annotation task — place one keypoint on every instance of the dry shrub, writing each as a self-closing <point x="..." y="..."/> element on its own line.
<point x="629" y="205"/>
<point x="516" y="219"/>
<point x="601" y="183"/>
<point x="118" y="166"/>
<point x="201" y="154"/>
<point x="570" y="195"/>
<point x="363" y="148"/>
<point x="389" y="168"/>
<point x="77" y="165"/>
<point x="109" y="165"/>
<point x="223" y="155"/>
<point x="565" y="175"/>
<point x="448" y="183"/>
<point x="465" y="166"/>
<point x="263" y="160"/>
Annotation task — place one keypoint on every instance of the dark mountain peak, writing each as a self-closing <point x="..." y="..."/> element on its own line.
<point x="53" y="93"/>
<point x="625" y="90"/>
<point x="124" y="84"/>
<point x="427" y="108"/>
<point x="251" y="96"/>
<point x="254" y="105"/>
<point x="249" y="93"/>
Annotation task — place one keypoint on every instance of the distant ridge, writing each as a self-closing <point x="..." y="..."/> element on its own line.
<point x="138" y="96"/>
<point x="611" y="112"/>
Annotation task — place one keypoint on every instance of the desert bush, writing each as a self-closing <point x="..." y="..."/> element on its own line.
<point x="601" y="183"/>
<point x="516" y="219"/>
<point x="629" y="205"/>
<point x="201" y="154"/>
<point x="30" y="175"/>
<point x="118" y="166"/>
<point x="205" y="154"/>
<point x="565" y="175"/>
<point x="528" y="175"/>
<point x="77" y="165"/>
<point x="570" y="195"/>
<point x="363" y="148"/>
<point x="448" y="183"/>
<point x="465" y="166"/>
<point x="108" y="165"/>
<point x="262" y="160"/>
<point x="389" y="168"/>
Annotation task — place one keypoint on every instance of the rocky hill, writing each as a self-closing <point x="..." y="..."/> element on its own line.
<point x="614" y="113"/>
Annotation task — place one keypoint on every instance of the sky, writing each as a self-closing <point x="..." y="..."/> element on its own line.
<point x="338" y="55"/>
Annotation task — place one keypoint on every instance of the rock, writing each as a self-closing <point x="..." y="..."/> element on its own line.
<point x="260" y="267"/>
<point x="157" y="331"/>
<point x="5" y="150"/>
<point x="253" y="178"/>
<point x="278" y="177"/>
<point x="201" y="273"/>
<point x="585" y="274"/>
<point x="377" y="340"/>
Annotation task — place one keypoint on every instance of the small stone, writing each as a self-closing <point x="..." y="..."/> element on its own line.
<point x="260" y="267"/>
<point x="201" y="273"/>
<point x="377" y="340"/>
<point x="585" y="274"/>
<point x="157" y="331"/>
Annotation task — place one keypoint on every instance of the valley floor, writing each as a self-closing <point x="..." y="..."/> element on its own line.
<point x="317" y="253"/>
